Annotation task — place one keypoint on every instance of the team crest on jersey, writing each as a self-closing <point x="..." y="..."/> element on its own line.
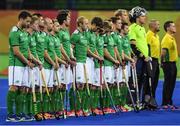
<point x="17" y="81"/>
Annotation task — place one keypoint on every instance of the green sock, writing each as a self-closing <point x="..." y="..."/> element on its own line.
<point x="92" y="98"/>
<point x="86" y="100"/>
<point x="38" y="102"/>
<point x="11" y="97"/>
<point x="19" y="103"/>
<point x="97" y="97"/>
<point x="82" y="99"/>
<point x="45" y="102"/>
<point x="25" y="104"/>
<point x="71" y="99"/>
<point x="78" y="97"/>
<point x="29" y="103"/>
<point x="104" y="98"/>
<point x="107" y="99"/>
<point x="57" y="100"/>
<point x="51" y="103"/>
<point x="125" y="94"/>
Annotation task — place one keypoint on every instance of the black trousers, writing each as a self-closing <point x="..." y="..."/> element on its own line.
<point x="170" y="73"/>
<point x="141" y="67"/>
<point x="155" y="75"/>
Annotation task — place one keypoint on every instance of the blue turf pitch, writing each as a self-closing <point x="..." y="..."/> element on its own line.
<point x="143" y="117"/>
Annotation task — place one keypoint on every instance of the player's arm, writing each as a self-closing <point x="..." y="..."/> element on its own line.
<point x="21" y="57"/>
<point x="109" y="57"/>
<point x="117" y="54"/>
<point x="128" y="58"/>
<point x="163" y="54"/>
<point x="64" y="54"/>
<point x="134" y="48"/>
<point x="91" y="54"/>
<point x="48" y="58"/>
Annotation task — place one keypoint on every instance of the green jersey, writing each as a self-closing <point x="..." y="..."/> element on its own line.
<point x="32" y="43"/>
<point x="80" y="42"/>
<point x="91" y="37"/>
<point x="40" y="43"/>
<point x="49" y="46"/>
<point x="118" y="41"/>
<point x="126" y="45"/>
<point x="109" y="45"/>
<point x="138" y="33"/>
<point x="57" y="46"/>
<point x="64" y="37"/>
<point x="18" y="37"/>
<point x="100" y="48"/>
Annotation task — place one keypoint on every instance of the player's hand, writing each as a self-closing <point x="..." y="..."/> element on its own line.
<point x="72" y="63"/>
<point x="116" y="62"/>
<point x="55" y="66"/>
<point x="40" y="66"/>
<point x="100" y="59"/>
<point x="39" y="62"/>
<point x="133" y="63"/>
<point x="73" y="58"/>
<point x="30" y="64"/>
<point x="147" y="59"/>
<point x="66" y="65"/>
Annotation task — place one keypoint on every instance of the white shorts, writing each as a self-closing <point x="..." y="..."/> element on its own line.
<point x="90" y="70"/>
<point x="80" y="77"/>
<point x="35" y="76"/>
<point x="109" y="74"/>
<point x="49" y="77"/>
<point x="57" y="76"/>
<point x="129" y="68"/>
<point x="118" y="75"/>
<point x="18" y="76"/>
<point x="126" y="74"/>
<point x="66" y="75"/>
<point x="97" y="76"/>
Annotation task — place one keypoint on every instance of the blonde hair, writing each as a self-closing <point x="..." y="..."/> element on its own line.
<point x="33" y="19"/>
<point x="119" y="12"/>
<point x="80" y="20"/>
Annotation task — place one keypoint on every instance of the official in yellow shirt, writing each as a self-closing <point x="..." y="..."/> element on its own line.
<point x="152" y="39"/>
<point x="169" y="56"/>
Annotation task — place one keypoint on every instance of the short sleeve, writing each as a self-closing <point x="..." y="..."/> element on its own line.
<point x="165" y="44"/>
<point x="14" y="37"/>
<point x="74" y="39"/>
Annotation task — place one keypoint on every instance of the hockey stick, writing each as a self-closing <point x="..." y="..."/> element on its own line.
<point x="47" y="91"/>
<point x="38" y="118"/>
<point x="88" y="91"/>
<point x="137" y="87"/>
<point x="131" y="97"/>
<point x="101" y="90"/>
<point x="74" y="91"/>
<point x="61" y="97"/>
<point x="112" y="102"/>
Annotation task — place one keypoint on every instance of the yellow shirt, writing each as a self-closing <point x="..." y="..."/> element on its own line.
<point x="169" y="43"/>
<point x="154" y="44"/>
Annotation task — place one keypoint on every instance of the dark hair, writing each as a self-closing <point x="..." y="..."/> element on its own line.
<point x="123" y="25"/>
<point x="97" y="21"/>
<point x="167" y="25"/>
<point x="24" y="15"/>
<point x="37" y="15"/>
<point x="62" y="16"/>
<point x="114" y="19"/>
